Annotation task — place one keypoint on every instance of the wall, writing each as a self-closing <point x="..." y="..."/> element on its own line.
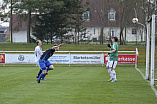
<point x="20" y="36"/>
<point x="107" y="31"/>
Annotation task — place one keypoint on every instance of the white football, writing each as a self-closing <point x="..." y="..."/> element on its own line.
<point x="135" y="20"/>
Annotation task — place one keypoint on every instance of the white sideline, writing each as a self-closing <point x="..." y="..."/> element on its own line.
<point x="155" y="91"/>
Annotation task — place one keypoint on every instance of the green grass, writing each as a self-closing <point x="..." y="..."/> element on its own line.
<point x="65" y="47"/>
<point x="73" y="85"/>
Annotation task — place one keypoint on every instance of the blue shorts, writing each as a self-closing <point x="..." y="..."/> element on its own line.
<point x="43" y="65"/>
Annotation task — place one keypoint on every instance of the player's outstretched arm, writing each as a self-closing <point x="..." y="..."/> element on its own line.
<point x="60" y="45"/>
<point x="56" y="47"/>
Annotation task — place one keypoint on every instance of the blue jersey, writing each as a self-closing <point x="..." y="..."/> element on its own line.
<point x="47" y="54"/>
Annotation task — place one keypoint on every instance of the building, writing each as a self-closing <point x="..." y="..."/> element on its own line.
<point x="112" y="16"/>
<point x="19" y="29"/>
<point x="111" y="24"/>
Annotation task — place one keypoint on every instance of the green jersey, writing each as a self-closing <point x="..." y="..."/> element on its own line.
<point x="114" y="55"/>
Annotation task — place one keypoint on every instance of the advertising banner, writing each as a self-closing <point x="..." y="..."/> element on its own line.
<point x="66" y="58"/>
<point x="20" y="58"/>
<point x="87" y="59"/>
<point x="30" y="58"/>
<point x="124" y="59"/>
<point x="60" y="59"/>
<point x="2" y="58"/>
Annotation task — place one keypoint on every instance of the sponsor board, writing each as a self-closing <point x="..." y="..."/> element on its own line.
<point x="124" y="58"/>
<point x="60" y="59"/>
<point x="2" y="58"/>
<point x="87" y="59"/>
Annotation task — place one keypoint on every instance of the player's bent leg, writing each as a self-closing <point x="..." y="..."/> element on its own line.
<point x="43" y="67"/>
<point x="44" y="71"/>
<point x="51" y="67"/>
<point x="42" y="75"/>
<point x="40" y="71"/>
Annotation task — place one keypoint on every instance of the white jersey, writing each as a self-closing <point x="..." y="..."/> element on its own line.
<point x="38" y="52"/>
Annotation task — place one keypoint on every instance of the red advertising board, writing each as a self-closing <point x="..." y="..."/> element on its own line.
<point x="2" y="58"/>
<point x="124" y="59"/>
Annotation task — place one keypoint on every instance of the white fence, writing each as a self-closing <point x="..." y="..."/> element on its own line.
<point x="67" y="57"/>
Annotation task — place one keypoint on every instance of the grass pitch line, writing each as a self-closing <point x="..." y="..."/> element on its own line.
<point x="155" y="91"/>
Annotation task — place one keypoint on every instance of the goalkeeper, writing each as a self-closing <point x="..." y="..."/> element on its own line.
<point x="44" y="63"/>
<point x="112" y="62"/>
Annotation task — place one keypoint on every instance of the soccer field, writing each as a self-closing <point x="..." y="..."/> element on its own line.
<point x="74" y="85"/>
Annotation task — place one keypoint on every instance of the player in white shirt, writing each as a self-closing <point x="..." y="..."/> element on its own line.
<point x="38" y="53"/>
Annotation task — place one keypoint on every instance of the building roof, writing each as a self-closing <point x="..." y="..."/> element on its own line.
<point x="19" y="22"/>
<point x="96" y="10"/>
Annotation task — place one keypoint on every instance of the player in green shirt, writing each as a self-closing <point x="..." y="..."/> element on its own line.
<point x="112" y="62"/>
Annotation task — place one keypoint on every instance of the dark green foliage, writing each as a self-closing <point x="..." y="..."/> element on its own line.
<point x="60" y="18"/>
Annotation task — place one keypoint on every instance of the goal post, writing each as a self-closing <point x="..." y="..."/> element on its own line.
<point x="147" y="51"/>
<point x="150" y="51"/>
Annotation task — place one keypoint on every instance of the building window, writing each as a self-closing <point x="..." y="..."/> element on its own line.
<point x="112" y="33"/>
<point x="86" y="16"/>
<point x="94" y="39"/>
<point x="112" y="15"/>
<point x="1" y="31"/>
<point x="134" y="31"/>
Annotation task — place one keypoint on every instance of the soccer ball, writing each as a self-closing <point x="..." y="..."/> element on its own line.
<point x="135" y="20"/>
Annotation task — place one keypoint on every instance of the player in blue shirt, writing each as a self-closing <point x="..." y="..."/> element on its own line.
<point x="44" y="63"/>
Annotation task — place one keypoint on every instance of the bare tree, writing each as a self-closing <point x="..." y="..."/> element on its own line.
<point x="101" y="14"/>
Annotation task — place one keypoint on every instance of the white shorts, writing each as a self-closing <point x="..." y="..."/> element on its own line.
<point x="112" y="64"/>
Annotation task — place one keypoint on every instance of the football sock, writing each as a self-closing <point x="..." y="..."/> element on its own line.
<point x="45" y="75"/>
<point x="40" y="71"/>
<point x="109" y="71"/>
<point x="113" y="74"/>
<point x="41" y="76"/>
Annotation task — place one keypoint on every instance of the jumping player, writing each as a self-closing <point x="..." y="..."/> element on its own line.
<point x="112" y="62"/>
<point x="44" y="63"/>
